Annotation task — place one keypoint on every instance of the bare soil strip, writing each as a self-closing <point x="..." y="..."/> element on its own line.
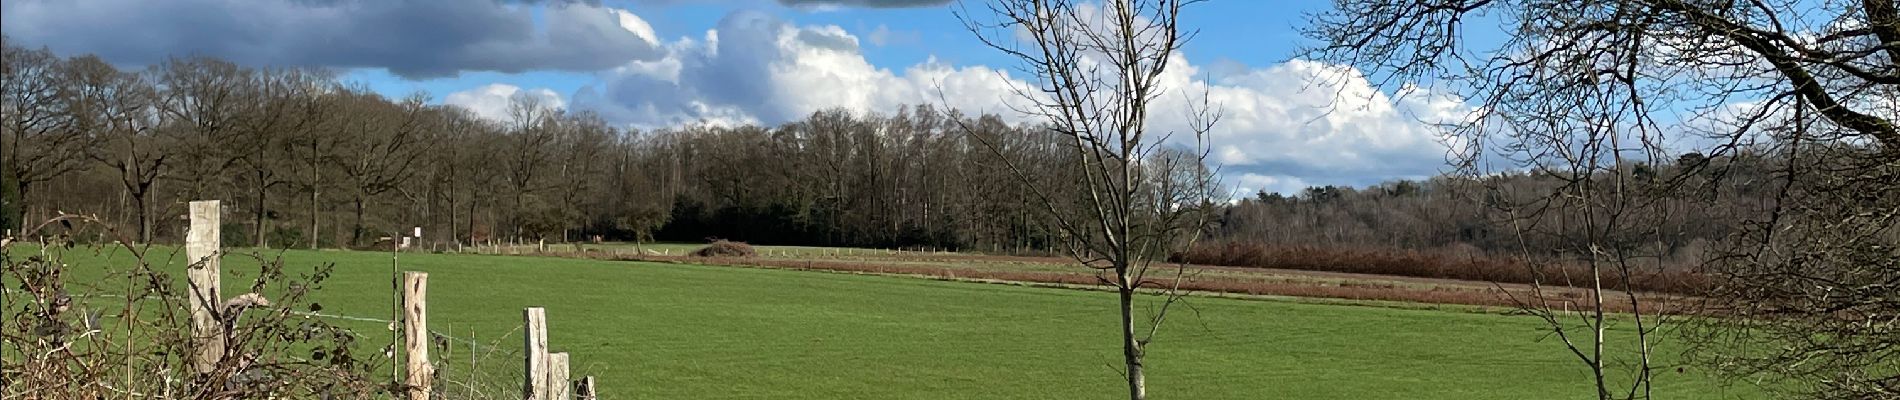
<point x="1246" y="281"/>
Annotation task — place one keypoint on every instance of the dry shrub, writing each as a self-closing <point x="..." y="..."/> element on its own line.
<point x="1423" y="264"/>
<point x="725" y="248"/>
<point x="124" y="331"/>
<point x="129" y="334"/>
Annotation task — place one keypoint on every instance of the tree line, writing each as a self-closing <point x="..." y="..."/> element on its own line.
<point x="307" y="160"/>
<point x="1710" y="199"/>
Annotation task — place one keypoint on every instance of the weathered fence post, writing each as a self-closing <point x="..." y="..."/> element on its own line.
<point x="558" y="385"/>
<point x="201" y="250"/>
<point x="536" y="385"/>
<point x="585" y="390"/>
<point x="415" y="337"/>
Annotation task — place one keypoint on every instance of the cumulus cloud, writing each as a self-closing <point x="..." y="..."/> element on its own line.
<point x="494" y="101"/>
<point x="1284" y="127"/>
<point x="1310" y="122"/>
<point x="757" y="68"/>
<point x="416" y="38"/>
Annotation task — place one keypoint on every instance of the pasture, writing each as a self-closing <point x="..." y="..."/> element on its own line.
<point x="675" y="331"/>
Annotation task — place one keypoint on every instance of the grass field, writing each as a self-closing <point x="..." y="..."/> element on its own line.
<point x="668" y="331"/>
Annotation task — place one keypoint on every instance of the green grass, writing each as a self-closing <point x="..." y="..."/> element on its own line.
<point x="663" y="331"/>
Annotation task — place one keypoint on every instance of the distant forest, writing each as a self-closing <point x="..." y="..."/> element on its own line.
<point x="302" y="159"/>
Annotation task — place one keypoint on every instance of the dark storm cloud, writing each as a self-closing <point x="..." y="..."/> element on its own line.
<point x="416" y="38"/>
<point x="865" y="3"/>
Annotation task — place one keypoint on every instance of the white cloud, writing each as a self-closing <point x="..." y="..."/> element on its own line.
<point x="756" y="68"/>
<point x="493" y="101"/>
<point x="639" y="27"/>
<point x="1284" y="126"/>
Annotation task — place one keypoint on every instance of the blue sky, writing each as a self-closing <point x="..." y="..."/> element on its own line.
<point x="649" y="64"/>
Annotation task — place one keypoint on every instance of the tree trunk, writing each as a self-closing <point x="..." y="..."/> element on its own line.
<point x="316" y="181"/>
<point x="356" y="231"/>
<point x="471" y="221"/>
<point x="19" y="205"/>
<point x="1131" y="348"/>
<point x="1596" y="355"/>
<point x="145" y="216"/>
<point x="313" y="217"/>
<point x="263" y="190"/>
<point x="454" y="217"/>
<point x="514" y="217"/>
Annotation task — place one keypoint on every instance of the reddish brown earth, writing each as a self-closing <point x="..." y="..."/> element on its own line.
<point x="1223" y="280"/>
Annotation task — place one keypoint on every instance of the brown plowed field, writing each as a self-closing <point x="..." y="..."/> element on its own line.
<point x="1198" y="279"/>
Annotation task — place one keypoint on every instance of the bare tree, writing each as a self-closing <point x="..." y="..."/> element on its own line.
<point x="1806" y="293"/>
<point x="118" y="108"/>
<point x="314" y="149"/>
<point x="454" y="166"/>
<point x="531" y="137"/>
<point x="1600" y="211"/>
<point x="280" y="106"/>
<point x="1097" y="72"/>
<point x="201" y="99"/>
<point x="36" y="130"/>
<point x="584" y="140"/>
<point x="1811" y="84"/>
<point x="383" y="140"/>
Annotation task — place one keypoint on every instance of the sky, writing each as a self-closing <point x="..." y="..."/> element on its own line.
<point x="1287" y="123"/>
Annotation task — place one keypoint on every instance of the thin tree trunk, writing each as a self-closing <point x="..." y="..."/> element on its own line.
<point x="145" y="217"/>
<point x="20" y="204"/>
<point x="124" y="196"/>
<point x="263" y="190"/>
<point x="471" y="221"/>
<point x="514" y="217"/>
<point x="1131" y="347"/>
<point x="454" y="215"/>
<point x="1596" y="351"/>
<point x="356" y="232"/>
<point x="316" y="180"/>
<point x="313" y="217"/>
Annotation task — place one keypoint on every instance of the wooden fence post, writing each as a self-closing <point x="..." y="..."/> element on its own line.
<point x="415" y="323"/>
<point x="201" y="250"/>
<point x="536" y="387"/>
<point x="558" y="385"/>
<point x="585" y="390"/>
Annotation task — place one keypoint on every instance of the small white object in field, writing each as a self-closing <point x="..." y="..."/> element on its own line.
<point x="246" y="300"/>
